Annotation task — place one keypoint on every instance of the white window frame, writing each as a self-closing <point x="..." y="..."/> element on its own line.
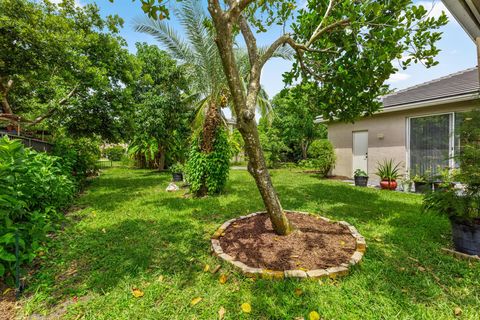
<point x="451" y="138"/>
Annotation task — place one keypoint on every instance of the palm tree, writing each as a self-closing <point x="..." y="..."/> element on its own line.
<point x="199" y="52"/>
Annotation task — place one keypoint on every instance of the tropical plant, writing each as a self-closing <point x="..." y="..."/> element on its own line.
<point x="207" y="173"/>
<point x="360" y="173"/>
<point x="388" y="171"/>
<point x="294" y="118"/>
<point x="177" y="168"/>
<point x="210" y="92"/>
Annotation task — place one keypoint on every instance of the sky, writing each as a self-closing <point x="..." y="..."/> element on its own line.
<point x="457" y="49"/>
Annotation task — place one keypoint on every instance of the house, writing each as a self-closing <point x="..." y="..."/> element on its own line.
<point x="416" y="127"/>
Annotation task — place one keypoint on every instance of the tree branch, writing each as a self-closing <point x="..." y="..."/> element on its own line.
<point x="318" y="33"/>
<point x="250" y="40"/>
<point x="52" y="110"/>
<point x="236" y="8"/>
<point x="325" y="16"/>
<point x="4" y="93"/>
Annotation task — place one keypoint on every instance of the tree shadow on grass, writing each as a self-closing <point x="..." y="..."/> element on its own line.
<point x="96" y="260"/>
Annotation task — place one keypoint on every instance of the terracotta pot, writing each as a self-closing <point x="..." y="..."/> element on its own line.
<point x="389" y="185"/>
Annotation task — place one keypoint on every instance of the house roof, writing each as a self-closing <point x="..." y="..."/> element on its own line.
<point x="467" y="13"/>
<point x="453" y="85"/>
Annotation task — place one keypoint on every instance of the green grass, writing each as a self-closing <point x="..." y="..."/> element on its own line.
<point x="131" y="233"/>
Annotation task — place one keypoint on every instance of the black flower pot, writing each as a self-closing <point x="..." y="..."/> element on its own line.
<point x="466" y="236"/>
<point x="361" y="181"/>
<point x="422" y="187"/>
<point x="177" y="177"/>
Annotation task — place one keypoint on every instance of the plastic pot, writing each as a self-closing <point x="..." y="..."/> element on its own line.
<point x="466" y="236"/>
<point x="361" y="181"/>
<point x="177" y="177"/>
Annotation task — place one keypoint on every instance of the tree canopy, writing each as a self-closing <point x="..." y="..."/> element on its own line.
<point x="63" y="62"/>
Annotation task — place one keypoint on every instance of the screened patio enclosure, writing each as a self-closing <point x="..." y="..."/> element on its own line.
<point x="432" y="142"/>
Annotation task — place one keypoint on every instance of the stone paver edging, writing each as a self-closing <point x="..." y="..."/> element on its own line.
<point x="331" y="272"/>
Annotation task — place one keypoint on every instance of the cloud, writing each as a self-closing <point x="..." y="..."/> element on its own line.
<point x="435" y="8"/>
<point x="399" y="76"/>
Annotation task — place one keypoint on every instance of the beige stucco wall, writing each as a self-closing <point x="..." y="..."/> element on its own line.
<point x="390" y="125"/>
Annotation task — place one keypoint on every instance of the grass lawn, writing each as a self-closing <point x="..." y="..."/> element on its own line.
<point x="130" y="233"/>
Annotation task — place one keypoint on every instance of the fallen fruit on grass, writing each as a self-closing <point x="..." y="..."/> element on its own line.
<point x="223" y="278"/>
<point x="246" y="307"/>
<point x="195" y="301"/>
<point x="206" y="268"/>
<point x="298" y="292"/>
<point x="313" y="315"/>
<point x="137" y="293"/>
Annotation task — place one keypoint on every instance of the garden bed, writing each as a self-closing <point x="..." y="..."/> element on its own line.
<point x="316" y="248"/>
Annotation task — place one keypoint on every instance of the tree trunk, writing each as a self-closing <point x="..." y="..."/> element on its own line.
<point x="304" y="146"/>
<point x="210" y="125"/>
<point x="161" y="158"/>
<point x="245" y="110"/>
<point x="258" y="169"/>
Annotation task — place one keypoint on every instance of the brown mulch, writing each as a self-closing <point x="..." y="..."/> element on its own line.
<point x="7" y="303"/>
<point x="315" y="243"/>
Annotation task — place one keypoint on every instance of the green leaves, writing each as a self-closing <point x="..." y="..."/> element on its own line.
<point x="209" y="170"/>
<point x="352" y="61"/>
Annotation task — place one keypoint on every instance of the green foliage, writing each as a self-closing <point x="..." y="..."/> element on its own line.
<point x="208" y="172"/>
<point x="462" y="204"/>
<point x="294" y="114"/>
<point x="387" y="170"/>
<point x="321" y="156"/>
<point x="66" y="65"/>
<point x="79" y="155"/>
<point x="177" y="168"/>
<point x="114" y="153"/>
<point x="35" y="187"/>
<point x="162" y="117"/>
<point x="360" y="173"/>
<point x="353" y="59"/>
<point x="469" y="157"/>
<point x="274" y="148"/>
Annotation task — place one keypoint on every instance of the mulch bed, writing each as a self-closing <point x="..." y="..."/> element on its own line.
<point x="315" y="243"/>
<point x="7" y="303"/>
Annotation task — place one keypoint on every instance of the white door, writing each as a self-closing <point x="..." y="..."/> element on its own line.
<point x="360" y="151"/>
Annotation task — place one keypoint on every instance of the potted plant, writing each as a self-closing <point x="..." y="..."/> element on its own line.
<point x="177" y="171"/>
<point x="388" y="173"/>
<point x="462" y="206"/>
<point x="361" y="178"/>
<point x="421" y="184"/>
<point x="444" y="179"/>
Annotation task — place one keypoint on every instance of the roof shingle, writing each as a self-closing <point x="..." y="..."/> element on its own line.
<point x="455" y="84"/>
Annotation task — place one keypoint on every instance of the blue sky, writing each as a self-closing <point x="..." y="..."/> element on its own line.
<point x="458" y="50"/>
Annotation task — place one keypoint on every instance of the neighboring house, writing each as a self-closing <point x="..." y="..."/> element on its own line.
<point x="417" y="127"/>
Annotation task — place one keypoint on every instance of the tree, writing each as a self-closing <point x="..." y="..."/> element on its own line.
<point x="209" y="85"/>
<point x="63" y="62"/>
<point x="162" y="117"/>
<point x="347" y="46"/>
<point x="295" y="110"/>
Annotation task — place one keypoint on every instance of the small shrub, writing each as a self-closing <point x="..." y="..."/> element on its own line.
<point x="208" y="172"/>
<point x="322" y="156"/>
<point x="79" y="155"/>
<point x="114" y="153"/>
